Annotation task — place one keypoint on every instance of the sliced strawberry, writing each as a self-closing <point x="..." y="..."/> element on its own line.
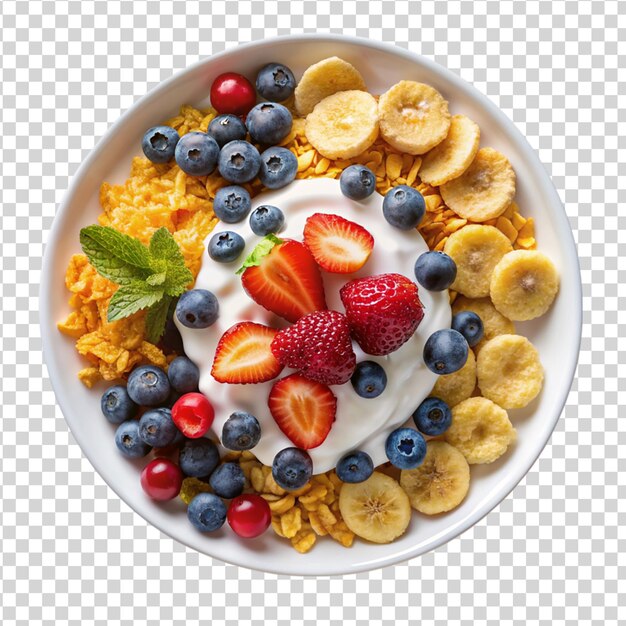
<point x="303" y="409"/>
<point x="286" y="281"/>
<point x="338" y="245"/>
<point x="243" y="355"/>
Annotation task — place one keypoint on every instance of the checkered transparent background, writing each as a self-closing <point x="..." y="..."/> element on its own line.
<point x="551" y="553"/>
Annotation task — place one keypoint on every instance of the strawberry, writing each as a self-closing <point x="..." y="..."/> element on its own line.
<point x="319" y="346"/>
<point x="303" y="409"/>
<point x="285" y="280"/>
<point x="338" y="245"/>
<point x="383" y="311"/>
<point x="243" y="355"/>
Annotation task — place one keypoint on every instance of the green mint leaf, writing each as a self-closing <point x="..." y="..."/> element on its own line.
<point x="178" y="279"/>
<point x="133" y="297"/>
<point x="156" y="319"/>
<point x="262" y="249"/>
<point x="156" y="279"/>
<point x="108" y="246"/>
<point x="163" y="246"/>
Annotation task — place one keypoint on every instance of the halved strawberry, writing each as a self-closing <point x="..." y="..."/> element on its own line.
<point x="338" y="245"/>
<point x="243" y="355"/>
<point x="303" y="409"/>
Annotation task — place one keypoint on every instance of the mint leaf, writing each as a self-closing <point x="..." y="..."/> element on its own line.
<point x="106" y="243"/>
<point x="262" y="249"/>
<point x="164" y="246"/>
<point x="178" y="278"/>
<point x="130" y="298"/>
<point x="156" y="279"/>
<point x="156" y="319"/>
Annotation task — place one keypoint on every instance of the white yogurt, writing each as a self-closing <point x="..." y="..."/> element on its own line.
<point x="360" y="423"/>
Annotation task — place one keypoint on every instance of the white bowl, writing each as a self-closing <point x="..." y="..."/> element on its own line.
<point x="556" y="335"/>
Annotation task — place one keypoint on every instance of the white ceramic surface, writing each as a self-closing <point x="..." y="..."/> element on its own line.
<point x="556" y="335"/>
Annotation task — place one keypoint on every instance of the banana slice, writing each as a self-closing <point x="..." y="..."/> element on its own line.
<point x="343" y="125"/>
<point x="454" y="154"/>
<point x="440" y="483"/>
<point x="414" y="117"/>
<point x="377" y="509"/>
<point x="480" y="430"/>
<point x="476" y="250"/>
<point x="323" y="79"/>
<point x="524" y="284"/>
<point x="484" y="190"/>
<point x="458" y="386"/>
<point x="509" y="371"/>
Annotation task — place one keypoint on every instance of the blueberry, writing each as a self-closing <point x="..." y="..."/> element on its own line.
<point x="403" y="207"/>
<point x="232" y="203"/>
<point x="369" y="379"/>
<point x="357" y="182"/>
<point x="435" y="270"/>
<point x="445" y="351"/>
<point x="433" y="417"/>
<point x="355" y="467"/>
<point x="292" y="468"/>
<point x="405" y="448"/>
<point x="278" y="167"/>
<point x="470" y="326"/>
<point x="206" y="512"/>
<point x="227" y="481"/>
<point x="171" y="340"/>
<point x="197" y="308"/>
<point x="198" y="457"/>
<point x="197" y="154"/>
<point x="117" y="406"/>
<point x="275" y="82"/>
<point x="226" y="247"/>
<point x="148" y="386"/>
<point x="239" y="162"/>
<point x="128" y="441"/>
<point x="225" y="128"/>
<point x="159" y="143"/>
<point x="157" y="429"/>
<point x="269" y="123"/>
<point x="266" y="219"/>
<point x="184" y="375"/>
<point x="241" y="431"/>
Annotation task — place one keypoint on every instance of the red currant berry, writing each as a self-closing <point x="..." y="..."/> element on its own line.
<point x="249" y="515"/>
<point x="232" y="93"/>
<point x="193" y="415"/>
<point x="161" y="479"/>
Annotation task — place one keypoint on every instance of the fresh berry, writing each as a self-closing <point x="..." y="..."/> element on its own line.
<point x="227" y="480"/>
<point x="199" y="457"/>
<point x="184" y="375"/>
<point x="369" y="379"/>
<point x="287" y="281"/>
<point x="445" y="351"/>
<point x="239" y="162"/>
<point x="266" y="219"/>
<point x="469" y="325"/>
<point x="148" y="386"/>
<point x="225" y="128"/>
<point x="383" y="311"/>
<point x="159" y="143"/>
<point x="337" y="244"/>
<point x="278" y="167"/>
<point x="275" y="82"/>
<point x="206" y="512"/>
<point x="292" y="468"/>
<point x="128" y="441"/>
<point x="319" y="346"/>
<point x="226" y="246"/>
<point x="171" y="341"/>
<point x="197" y="308"/>
<point x="249" y="515"/>
<point x="303" y="409"/>
<point x="357" y="182"/>
<point x="161" y="479"/>
<point x="403" y="207"/>
<point x="232" y="93"/>
<point x="433" y="417"/>
<point x="157" y="429"/>
<point x="241" y="431"/>
<point x="435" y="270"/>
<point x="355" y="467"/>
<point x="269" y="123"/>
<point x="117" y="406"/>
<point x="231" y="204"/>
<point x="196" y="154"/>
<point x="405" y="448"/>
<point x="193" y="415"/>
<point x="243" y="355"/>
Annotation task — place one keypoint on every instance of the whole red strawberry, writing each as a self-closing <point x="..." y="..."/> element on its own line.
<point x="383" y="311"/>
<point x="319" y="346"/>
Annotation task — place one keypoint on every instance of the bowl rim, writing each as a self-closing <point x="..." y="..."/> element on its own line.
<point x="532" y="161"/>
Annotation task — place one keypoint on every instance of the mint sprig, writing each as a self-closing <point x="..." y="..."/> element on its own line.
<point x="262" y="249"/>
<point x="148" y="277"/>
